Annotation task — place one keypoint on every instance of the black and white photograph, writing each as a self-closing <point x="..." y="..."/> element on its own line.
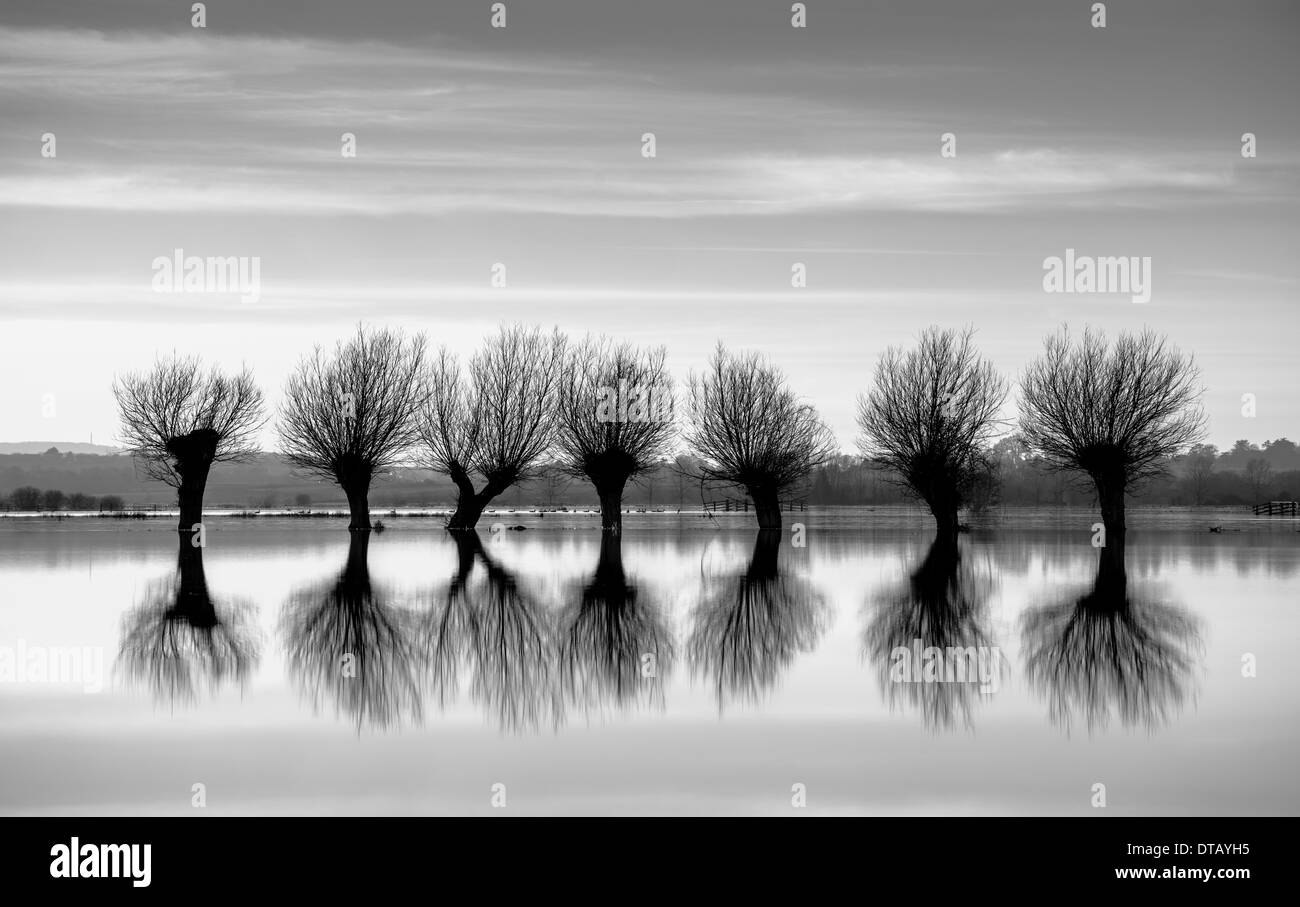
<point x="715" y="409"/>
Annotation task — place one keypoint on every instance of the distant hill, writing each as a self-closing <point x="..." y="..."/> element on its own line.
<point x="40" y="447"/>
<point x="268" y="481"/>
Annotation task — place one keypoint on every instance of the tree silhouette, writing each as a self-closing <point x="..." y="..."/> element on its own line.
<point x="1110" y="651"/>
<point x="614" y="647"/>
<point x="178" y="420"/>
<point x="178" y="638"/>
<point x="496" y="422"/>
<point x="750" y="430"/>
<point x="495" y="634"/>
<point x="749" y="627"/>
<point x="930" y="417"/>
<point x="1115" y="414"/>
<point x="347" y="417"/>
<point x="1200" y="470"/>
<point x="347" y="644"/>
<point x="943" y="606"/>
<point x="1258" y="473"/>
<point x="614" y="411"/>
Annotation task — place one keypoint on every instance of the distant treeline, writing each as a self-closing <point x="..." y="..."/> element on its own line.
<point x="55" y="481"/>
<point x="29" y="498"/>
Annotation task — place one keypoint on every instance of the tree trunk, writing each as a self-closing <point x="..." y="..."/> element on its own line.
<point x="1111" y="585"/>
<point x="767" y="507"/>
<point x="189" y="498"/>
<point x="609" y="567"/>
<point x="470" y="504"/>
<point x="1110" y="495"/>
<point x="933" y="581"/>
<point x="468" y="546"/>
<point x="610" y="490"/>
<point x="469" y="508"/>
<point x="764" y="563"/>
<point x="945" y="521"/>
<point x="193" y="454"/>
<point x="358" y="505"/>
<point x="358" y="562"/>
<point x="193" y="604"/>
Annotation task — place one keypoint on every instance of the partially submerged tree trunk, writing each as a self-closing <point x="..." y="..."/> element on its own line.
<point x="358" y="506"/>
<point x="933" y="582"/>
<point x="944" y="508"/>
<point x="356" y="485"/>
<point x="193" y="604"/>
<point x="193" y="455"/>
<point x="767" y="506"/>
<point x="610" y="490"/>
<point x="469" y="508"/>
<point x="939" y="489"/>
<point x="357" y="570"/>
<point x="1111" y="586"/>
<point x="1110" y="495"/>
<point x="609" y="567"/>
<point x="764" y="564"/>
<point x="189" y="498"/>
<point x="468" y="546"/>
<point x="470" y="504"/>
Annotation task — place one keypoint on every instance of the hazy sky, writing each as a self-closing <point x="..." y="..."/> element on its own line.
<point x="522" y="146"/>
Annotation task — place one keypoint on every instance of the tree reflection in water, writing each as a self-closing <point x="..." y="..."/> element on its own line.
<point x="178" y="639"/>
<point x="345" y="644"/>
<point x="944" y="605"/>
<point x="1111" y="651"/>
<point x="614" y="647"/>
<point x="491" y="634"/>
<point x="749" y="627"/>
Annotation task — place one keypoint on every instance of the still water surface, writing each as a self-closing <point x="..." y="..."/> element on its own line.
<point x="696" y="666"/>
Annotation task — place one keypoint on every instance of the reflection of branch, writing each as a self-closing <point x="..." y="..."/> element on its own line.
<point x="1108" y="650"/>
<point x="346" y="644"/>
<point x="500" y="635"/>
<point x="942" y="605"/>
<point x="177" y="638"/>
<point x="748" y="630"/>
<point x="607" y="633"/>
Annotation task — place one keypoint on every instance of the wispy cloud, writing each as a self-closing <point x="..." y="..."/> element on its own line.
<point x="181" y="123"/>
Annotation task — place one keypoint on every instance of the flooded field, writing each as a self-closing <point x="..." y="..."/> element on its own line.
<point x="693" y="666"/>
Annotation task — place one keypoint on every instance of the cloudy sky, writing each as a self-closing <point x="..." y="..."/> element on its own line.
<point x="522" y="146"/>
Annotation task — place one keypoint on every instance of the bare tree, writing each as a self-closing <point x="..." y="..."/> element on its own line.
<point x="1258" y="473"/>
<point x="748" y="627"/>
<point x="1117" y="414"/>
<point x="1111" y="650"/>
<point x="608" y="634"/>
<point x="180" y="638"/>
<point x="496" y="422"/>
<point x="554" y="480"/>
<point x="615" y="418"/>
<point x="750" y="430"/>
<point x="930" y="418"/>
<point x="942" y="606"/>
<point x="178" y="420"/>
<point x="496" y="638"/>
<point x="1200" y="468"/>
<point x="347" y="642"/>
<point x="682" y="467"/>
<point x="348" y="416"/>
